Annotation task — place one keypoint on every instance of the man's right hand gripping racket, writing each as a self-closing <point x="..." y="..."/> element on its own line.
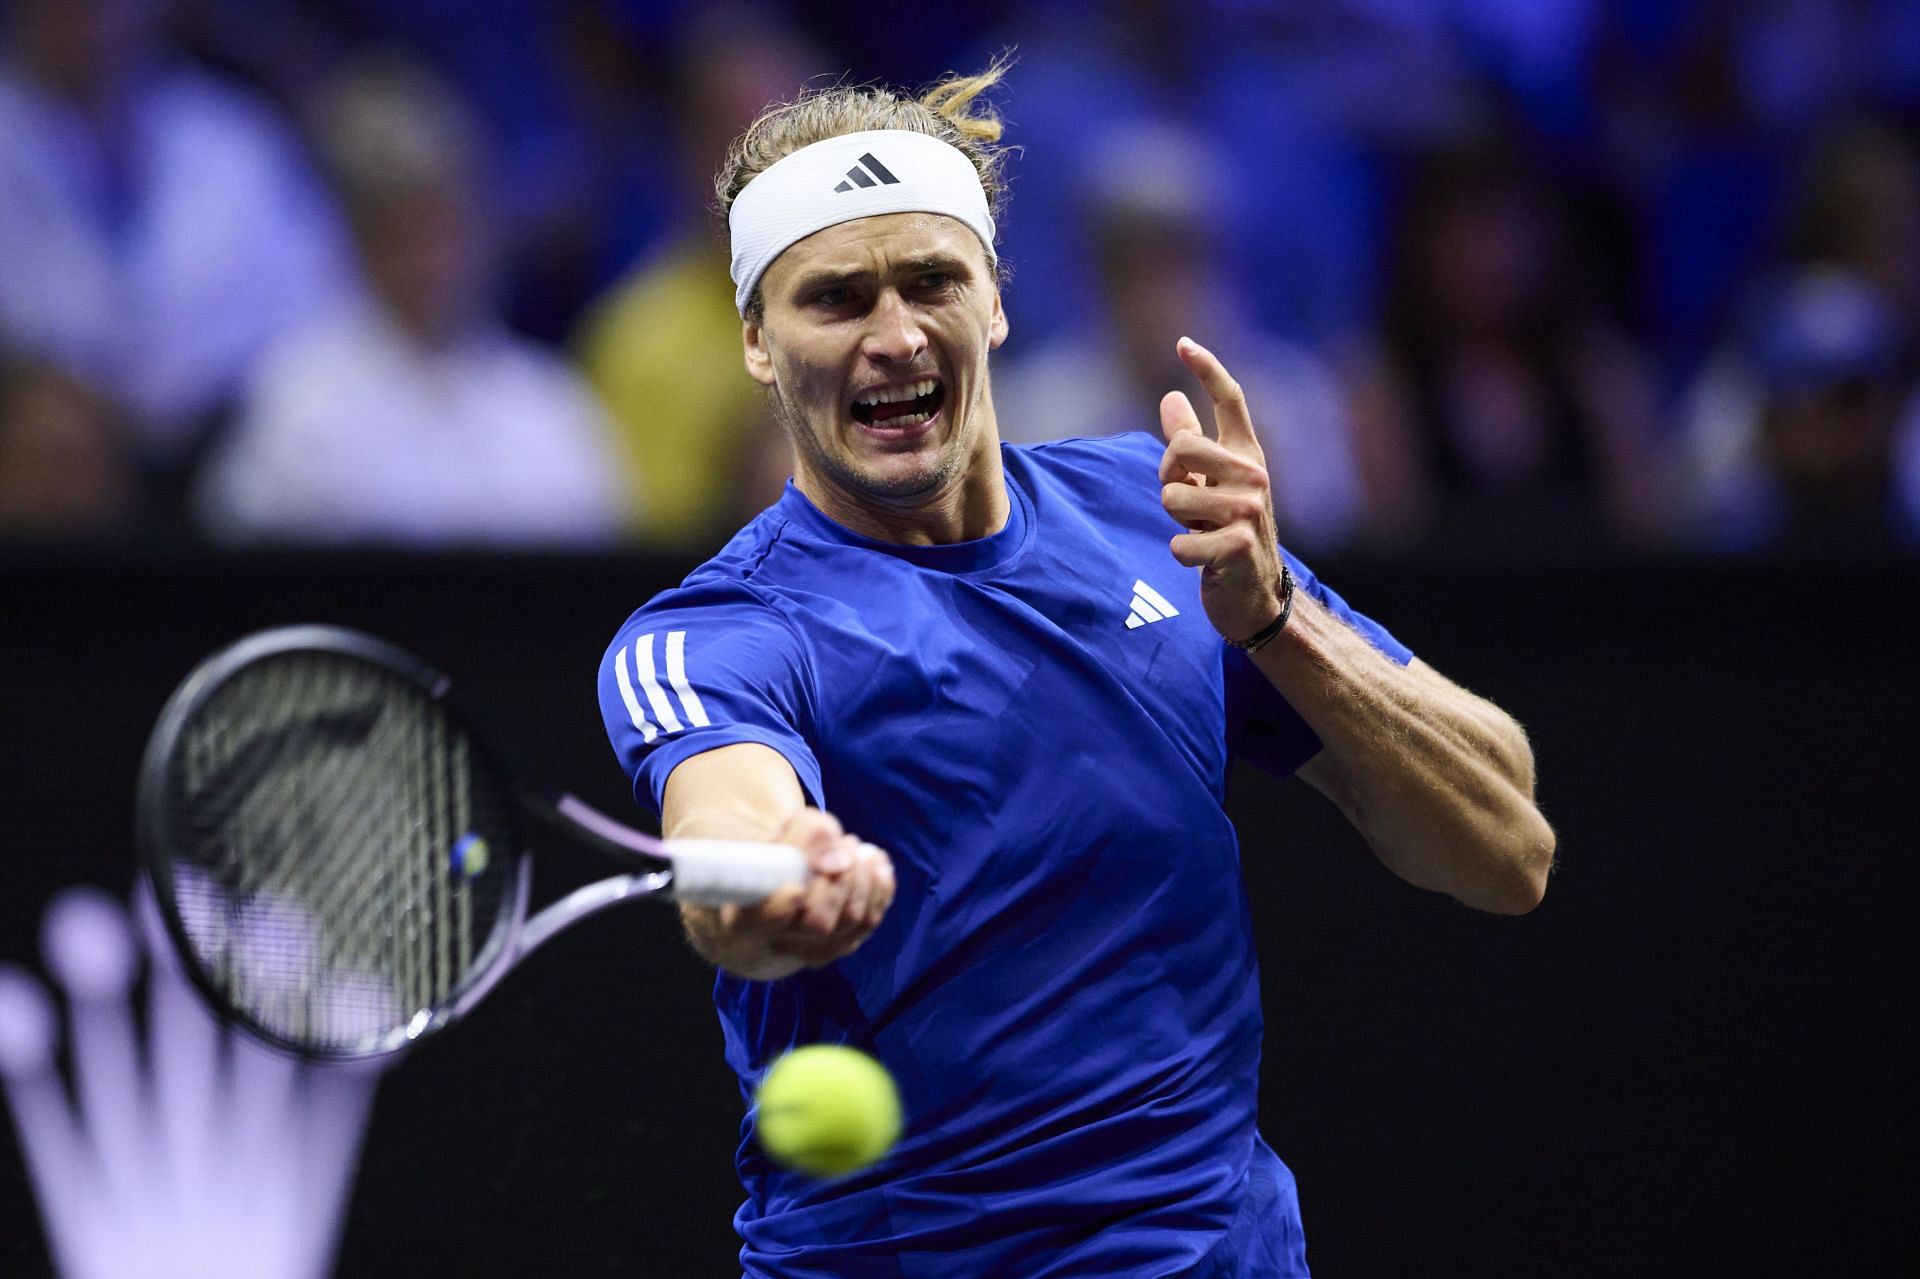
<point x="339" y="856"/>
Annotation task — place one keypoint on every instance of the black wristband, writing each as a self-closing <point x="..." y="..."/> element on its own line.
<point x="1257" y="642"/>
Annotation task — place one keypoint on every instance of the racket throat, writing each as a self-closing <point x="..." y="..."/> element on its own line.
<point x="588" y="900"/>
<point x="610" y="835"/>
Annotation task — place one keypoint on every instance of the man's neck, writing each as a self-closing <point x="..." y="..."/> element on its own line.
<point x="973" y="506"/>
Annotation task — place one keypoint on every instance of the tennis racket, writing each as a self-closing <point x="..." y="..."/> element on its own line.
<point x="340" y="856"/>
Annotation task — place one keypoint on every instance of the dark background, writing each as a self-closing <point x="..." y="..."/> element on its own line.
<point x="1687" y="1061"/>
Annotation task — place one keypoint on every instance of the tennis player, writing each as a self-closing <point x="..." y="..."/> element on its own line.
<point x="1023" y="673"/>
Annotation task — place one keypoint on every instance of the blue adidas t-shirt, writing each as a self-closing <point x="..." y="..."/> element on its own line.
<point x="1037" y="727"/>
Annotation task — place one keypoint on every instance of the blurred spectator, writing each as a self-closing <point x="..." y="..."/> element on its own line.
<point x="1829" y="418"/>
<point x="517" y="72"/>
<point x="1803" y="429"/>
<point x="663" y="348"/>
<point x="158" y="227"/>
<point x="1309" y="98"/>
<point x="1805" y="435"/>
<point x="1081" y="67"/>
<point x="409" y="415"/>
<point x="1860" y="210"/>
<point x="1155" y="242"/>
<point x="1501" y="407"/>
<point x="565" y="89"/>
<point x="64" y="470"/>
<point x="1677" y="136"/>
<point x="1702" y="104"/>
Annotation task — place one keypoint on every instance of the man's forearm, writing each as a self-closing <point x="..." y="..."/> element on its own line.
<point x="1439" y="781"/>
<point x="749" y="791"/>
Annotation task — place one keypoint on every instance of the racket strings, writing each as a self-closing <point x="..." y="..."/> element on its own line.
<point x="319" y="801"/>
<point x="284" y="833"/>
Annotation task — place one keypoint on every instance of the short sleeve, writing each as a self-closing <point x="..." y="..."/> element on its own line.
<point x="703" y="667"/>
<point x="1263" y="728"/>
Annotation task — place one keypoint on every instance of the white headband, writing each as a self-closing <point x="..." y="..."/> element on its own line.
<point x="856" y="175"/>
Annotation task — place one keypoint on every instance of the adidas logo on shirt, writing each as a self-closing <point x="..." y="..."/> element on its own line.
<point x="868" y="173"/>
<point x="1149" y="605"/>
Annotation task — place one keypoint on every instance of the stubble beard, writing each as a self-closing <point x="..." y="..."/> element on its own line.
<point x="933" y="477"/>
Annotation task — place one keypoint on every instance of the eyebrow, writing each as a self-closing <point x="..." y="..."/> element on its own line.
<point x="939" y="262"/>
<point x="829" y="278"/>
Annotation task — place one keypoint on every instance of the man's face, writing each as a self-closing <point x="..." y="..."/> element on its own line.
<point x="874" y="343"/>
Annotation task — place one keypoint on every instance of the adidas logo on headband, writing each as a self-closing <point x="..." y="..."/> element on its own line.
<point x="868" y="173"/>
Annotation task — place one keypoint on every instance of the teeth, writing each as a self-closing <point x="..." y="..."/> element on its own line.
<point x="892" y="394"/>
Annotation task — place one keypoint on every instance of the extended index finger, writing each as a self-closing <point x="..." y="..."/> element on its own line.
<point x="1230" y="412"/>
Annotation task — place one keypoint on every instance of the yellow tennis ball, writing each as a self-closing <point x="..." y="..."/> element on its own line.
<point x="827" y="1110"/>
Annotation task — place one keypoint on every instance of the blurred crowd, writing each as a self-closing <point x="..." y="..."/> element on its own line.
<point x="1500" y="275"/>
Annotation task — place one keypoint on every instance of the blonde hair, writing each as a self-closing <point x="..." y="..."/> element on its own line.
<point x="947" y="111"/>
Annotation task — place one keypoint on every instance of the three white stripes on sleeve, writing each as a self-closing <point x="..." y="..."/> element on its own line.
<point x="657" y="698"/>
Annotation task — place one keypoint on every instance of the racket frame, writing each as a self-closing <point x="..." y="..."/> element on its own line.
<point x="513" y="936"/>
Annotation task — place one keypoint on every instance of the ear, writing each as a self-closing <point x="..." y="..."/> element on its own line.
<point x="753" y="340"/>
<point x="997" y="332"/>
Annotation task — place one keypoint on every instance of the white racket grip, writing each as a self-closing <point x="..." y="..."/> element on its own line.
<point x="721" y="872"/>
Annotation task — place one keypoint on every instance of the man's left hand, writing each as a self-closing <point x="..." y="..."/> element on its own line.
<point x="1218" y="489"/>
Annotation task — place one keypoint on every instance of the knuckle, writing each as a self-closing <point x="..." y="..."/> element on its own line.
<point x="812" y="826"/>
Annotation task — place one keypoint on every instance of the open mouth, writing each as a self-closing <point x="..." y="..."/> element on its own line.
<point x="896" y="407"/>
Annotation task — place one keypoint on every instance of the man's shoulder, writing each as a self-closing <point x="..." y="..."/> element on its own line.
<point x="1127" y="452"/>
<point x="754" y="556"/>
<point x="1095" y="473"/>
<point x="745" y="577"/>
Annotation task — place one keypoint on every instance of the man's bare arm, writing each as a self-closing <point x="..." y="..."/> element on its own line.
<point x="749" y="791"/>
<point x="1439" y="781"/>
